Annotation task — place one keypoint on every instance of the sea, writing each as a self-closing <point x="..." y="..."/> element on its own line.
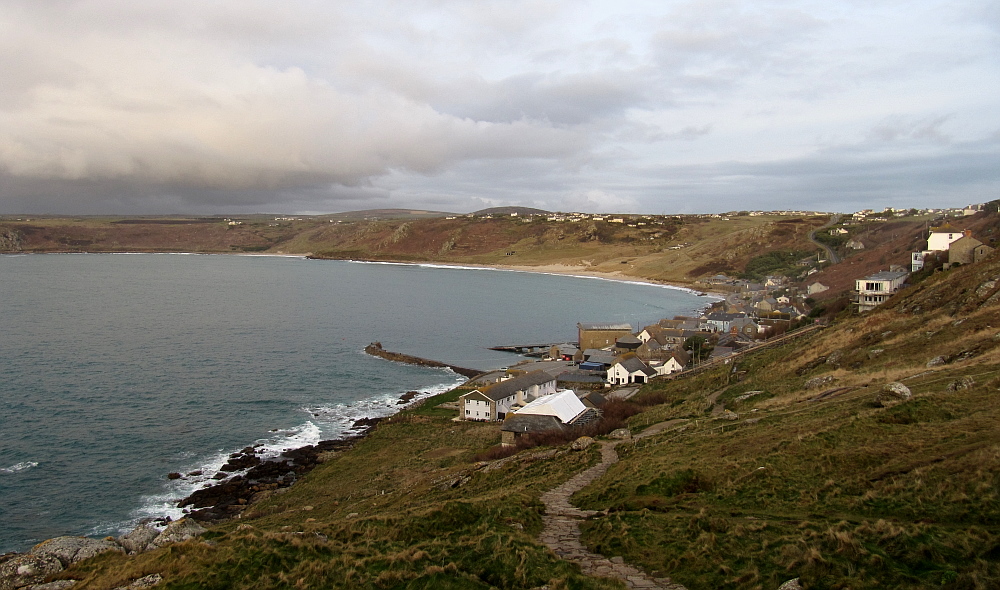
<point x="117" y="369"/>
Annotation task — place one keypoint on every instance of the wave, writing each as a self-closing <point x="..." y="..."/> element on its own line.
<point x="19" y="467"/>
<point x="326" y="422"/>
<point x="338" y="419"/>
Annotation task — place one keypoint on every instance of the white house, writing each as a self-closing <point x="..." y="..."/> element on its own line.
<point x="630" y="370"/>
<point x="494" y="402"/>
<point x="875" y="289"/>
<point x="940" y="239"/>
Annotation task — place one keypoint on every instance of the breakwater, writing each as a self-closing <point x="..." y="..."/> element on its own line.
<point x="375" y="349"/>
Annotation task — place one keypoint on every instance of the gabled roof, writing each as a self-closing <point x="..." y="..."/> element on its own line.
<point x="510" y="387"/>
<point x="634" y="365"/>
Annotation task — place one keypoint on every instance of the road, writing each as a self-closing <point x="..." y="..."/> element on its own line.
<point x="830" y="254"/>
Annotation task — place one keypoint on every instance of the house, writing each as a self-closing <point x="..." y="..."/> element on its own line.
<point x="630" y="370"/>
<point x="494" y="402"/>
<point x="873" y="290"/>
<point x="816" y="287"/>
<point x="967" y="250"/>
<point x="767" y="304"/>
<point x="855" y="245"/>
<point x="564" y="352"/>
<point x="596" y="358"/>
<point x="940" y="238"/>
<point x="555" y="411"/>
<point x="600" y="335"/>
<point x="677" y="360"/>
<point x="720" y="322"/>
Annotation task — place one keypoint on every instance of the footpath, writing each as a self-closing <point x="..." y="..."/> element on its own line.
<point x="561" y="531"/>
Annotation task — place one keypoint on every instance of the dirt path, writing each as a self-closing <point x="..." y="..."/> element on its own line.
<point x="562" y="524"/>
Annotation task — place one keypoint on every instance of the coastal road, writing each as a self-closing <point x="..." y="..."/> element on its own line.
<point x="830" y="254"/>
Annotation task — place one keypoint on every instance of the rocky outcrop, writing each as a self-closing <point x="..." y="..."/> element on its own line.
<point x="138" y="539"/>
<point x="177" y="532"/>
<point x="27" y="571"/>
<point x="69" y="550"/>
<point x="234" y="493"/>
<point x="18" y="570"/>
<point x="11" y="240"/>
<point x="581" y="443"/>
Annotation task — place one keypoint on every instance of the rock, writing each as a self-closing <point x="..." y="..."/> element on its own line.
<point x="138" y="539"/>
<point x="620" y="434"/>
<point x="57" y="585"/>
<point x="729" y="415"/>
<point x="817" y="382"/>
<point x="936" y="361"/>
<point x="963" y="383"/>
<point x="143" y="582"/>
<point x="792" y="584"/>
<point x="892" y="393"/>
<point x="834" y="358"/>
<point x="177" y="532"/>
<point x="22" y="569"/>
<point x="173" y="475"/>
<point x="69" y="550"/>
<point x="875" y="352"/>
<point x="581" y="443"/>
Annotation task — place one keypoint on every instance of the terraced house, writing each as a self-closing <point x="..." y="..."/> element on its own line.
<point x="496" y="401"/>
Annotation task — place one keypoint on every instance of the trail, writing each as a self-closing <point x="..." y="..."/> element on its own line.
<point x="562" y="523"/>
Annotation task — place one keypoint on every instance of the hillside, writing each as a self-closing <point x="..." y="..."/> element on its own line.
<point x="809" y="479"/>
<point x="675" y="249"/>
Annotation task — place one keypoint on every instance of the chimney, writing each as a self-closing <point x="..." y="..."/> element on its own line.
<point x="967" y="233"/>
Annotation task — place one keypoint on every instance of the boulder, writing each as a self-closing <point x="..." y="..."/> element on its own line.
<point x="817" y="382"/>
<point x="963" y="383"/>
<point x="138" y="539"/>
<point x="177" y="532"/>
<point x="69" y="550"/>
<point x="892" y="393"/>
<point x="875" y="352"/>
<point x="57" y="585"/>
<point x="25" y="569"/>
<point x="581" y="443"/>
<point x="729" y="415"/>
<point x="143" y="582"/>
<point x="937" y="361"/>
<point x="792" y="584"/>
<point x="620" y="434"/>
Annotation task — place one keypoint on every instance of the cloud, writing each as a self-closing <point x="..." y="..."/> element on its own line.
<point x="184" y="106"/>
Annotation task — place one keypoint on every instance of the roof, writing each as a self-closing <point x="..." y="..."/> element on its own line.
<point x="724" y="317"/>
<point x="628" y="342"/>
<point x="510" y="387"/>
<point x="634" y="365"/>
<point x="580" y="377"/>
<point x="530" y="423"/>
<point x="604" y="326"/>
<point x="886" y="275"/>
<point x="563" y="405"/>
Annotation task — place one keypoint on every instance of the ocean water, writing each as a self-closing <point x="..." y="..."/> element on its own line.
<point x="116" y="369"/>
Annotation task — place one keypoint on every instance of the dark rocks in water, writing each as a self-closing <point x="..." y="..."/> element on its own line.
<point x="227" y="498"/>
<point x="173" y="475"/>
<point x="407" y="397"/>
<point x="241" y="461"/>
<point x="196" y="473"/>
<point x="366" y="423"/>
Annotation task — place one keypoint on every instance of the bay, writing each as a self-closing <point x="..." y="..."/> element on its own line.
<point x="118" y="369"/>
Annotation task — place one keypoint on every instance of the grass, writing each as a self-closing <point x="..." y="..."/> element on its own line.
<point x="832" y="490"/>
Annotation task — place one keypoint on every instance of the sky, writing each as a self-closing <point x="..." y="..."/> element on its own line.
<point x="313" y="106"/>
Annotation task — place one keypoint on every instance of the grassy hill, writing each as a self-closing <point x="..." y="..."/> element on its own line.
<point x="676" y="249"/>
<point x="812" y="479"/>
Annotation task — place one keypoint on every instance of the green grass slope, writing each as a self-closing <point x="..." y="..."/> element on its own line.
<point x="812" y="480"/>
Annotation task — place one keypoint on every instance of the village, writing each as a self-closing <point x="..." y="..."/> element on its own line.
<point x="569" y="383"/>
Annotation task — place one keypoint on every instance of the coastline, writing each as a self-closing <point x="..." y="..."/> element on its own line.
<point x="564" y="270"/>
